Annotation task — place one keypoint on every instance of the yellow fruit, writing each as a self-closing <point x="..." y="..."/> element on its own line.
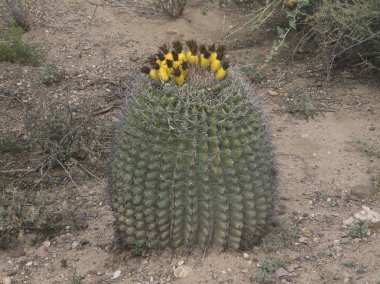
<point x="163" y="74"/>
<point x="169" y="56"/>
<point x="177" y="63"/>
<point x="182" y="57"/>
<point x="213" y="56"/>
<point x="180" y="80"/>
<point x="205" y="62"/>
<point x="221" y="74"/>
<point x="215" y="65"/>
<point x="153" y="74"/>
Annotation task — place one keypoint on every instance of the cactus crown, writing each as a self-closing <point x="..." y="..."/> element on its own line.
<point x="185" y="61"/>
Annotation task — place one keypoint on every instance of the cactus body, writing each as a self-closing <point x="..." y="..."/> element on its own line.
<point x="192" y="166"/>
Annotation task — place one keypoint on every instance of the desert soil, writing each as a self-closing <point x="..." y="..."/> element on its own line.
<point x="102" y="43"/>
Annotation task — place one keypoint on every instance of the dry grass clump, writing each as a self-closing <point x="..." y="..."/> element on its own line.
<point x="17" y="12"/>
<point x="174" y="8"/>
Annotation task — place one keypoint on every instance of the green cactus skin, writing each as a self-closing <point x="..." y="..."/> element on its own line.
<point x="192" y="167"/>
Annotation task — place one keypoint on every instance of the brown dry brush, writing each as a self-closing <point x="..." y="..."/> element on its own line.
<point x="174" y="8"/>
<point x="17" y="13"/>
<point x="348" y="31"/>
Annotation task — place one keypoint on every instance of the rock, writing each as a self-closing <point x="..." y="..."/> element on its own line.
<point x="116" y="274"/>
<point x="7" y="280"/>
<point x="348" y="221"/>
<point x="367" y="215"/>
<point x="134" y="57"/>
<point x="17" y="252"/>
<point x="245" y="271"/>
<point x="281" y="272"/>
<point x="46" y="244"/>
<point x="364" y="191"/>
<point x="273" y="93"/>
<point x="41" y="251"/>
<point x="246" y="255"/>
<point x="74" y="245"/>
<point x="302" y="240"/>
<point x="293" y="266"/>
<point x="180" y="263"/>
<point x="29" y="263"/>
<point x="182" y="271"/>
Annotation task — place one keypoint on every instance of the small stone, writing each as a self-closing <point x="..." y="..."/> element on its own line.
<point x="364" y="191"/>
<point x="337" y="248"/>
<point x="74" y="245"/>
<point x="46" y="244"/>
<point x="245" y="271"/>
<point x="349" y="221"/>
<point x="336" y="242"/>
<point x="29" y="263"/>
<point x="246" y="255"/>
<point x="182" y="271"/>
<point x="328" y="199"/>
<point x="302" y="240"/>
<point x="7" y="280"/>
<point x="273" y="93"/>
<point x="180" y="263"/>
<point x="116" y="274"/>
<point x="281" y="272"/>
<point x="293" y="266"/>
<point x="134" y="57"/>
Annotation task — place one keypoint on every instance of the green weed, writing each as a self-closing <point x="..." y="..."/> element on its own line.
<point x="359" y="230"/>
<point x="12" y="48"/>
<point x="268" y="267"/>
<point x="280" y="236"/>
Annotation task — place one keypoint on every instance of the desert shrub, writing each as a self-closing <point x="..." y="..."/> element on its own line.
<point x="348" y="30"/>
<point x="26" y="210"/>
<point x="62" y="135"/>
<point x="174" y="8"/>
<point x="17" y="13"/>
<point x="51" y="75"/>
<point x="267" y="269"/>
<point x="13" y="49"/>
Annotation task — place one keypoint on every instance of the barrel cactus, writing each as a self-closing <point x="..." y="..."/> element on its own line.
<point x="192" y="167"/>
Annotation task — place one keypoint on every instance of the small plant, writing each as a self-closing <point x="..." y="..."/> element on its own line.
<point x="372" y="150"/>
<point x="282" y="235"/>
<point x="174" y="8"/>
<point x="268" y="267"/>
<point x="51" y="75"/>
<point x="76" y="279"/>
<point x="9" y="144"/>
<point x="350" y="263"/>
<point x="12" y="48"/>
<point x="63" y="263"/>
<point x="359" y="230"/>
<point x="18" y="13"/>
<point x="300" y="107"/>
